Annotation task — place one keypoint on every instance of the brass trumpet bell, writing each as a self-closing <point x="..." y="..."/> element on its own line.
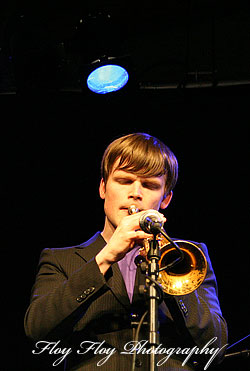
<point x="188" y="274"/>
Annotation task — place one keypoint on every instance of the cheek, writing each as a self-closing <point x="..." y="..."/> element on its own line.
<point x="155" y="200"/>
<point x="111" y="196"/>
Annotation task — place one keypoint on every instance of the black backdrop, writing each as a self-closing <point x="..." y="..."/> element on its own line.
<point x="51" y="152"/>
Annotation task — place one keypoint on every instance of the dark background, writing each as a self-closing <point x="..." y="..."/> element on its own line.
<point x="189" y="86"/>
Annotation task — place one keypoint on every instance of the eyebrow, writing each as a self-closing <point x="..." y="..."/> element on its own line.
<point x="125" y="174"/>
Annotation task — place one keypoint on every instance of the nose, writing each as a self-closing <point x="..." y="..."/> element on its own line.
<point x="136" y="191"/>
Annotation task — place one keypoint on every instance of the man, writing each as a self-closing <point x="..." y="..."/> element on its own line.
<point x="86" y="298"/>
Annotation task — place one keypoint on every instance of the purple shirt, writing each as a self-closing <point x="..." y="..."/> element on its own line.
<point x="128" y="271"/>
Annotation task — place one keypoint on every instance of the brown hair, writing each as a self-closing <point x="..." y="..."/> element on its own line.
<point x="143" y="155"/>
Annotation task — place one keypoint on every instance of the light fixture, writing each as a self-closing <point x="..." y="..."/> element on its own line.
<point x="107" y="78"/>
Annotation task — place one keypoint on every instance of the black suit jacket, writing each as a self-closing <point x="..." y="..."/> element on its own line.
<point x="73" y="302"/>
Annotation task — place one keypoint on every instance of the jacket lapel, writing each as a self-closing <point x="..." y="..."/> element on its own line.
<point x="88" y="251"/>
<point x="91" y="248"/>
<point x="118" y="286"/>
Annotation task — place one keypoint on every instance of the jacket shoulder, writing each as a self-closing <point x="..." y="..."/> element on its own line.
<point x="87" y="250"/>
<point x="96" y="240"/>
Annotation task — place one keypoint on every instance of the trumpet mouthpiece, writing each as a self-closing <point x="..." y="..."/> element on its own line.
<point x="133" y="209"/>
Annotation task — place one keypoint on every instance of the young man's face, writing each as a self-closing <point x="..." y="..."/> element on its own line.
<point x="124" y="189"/>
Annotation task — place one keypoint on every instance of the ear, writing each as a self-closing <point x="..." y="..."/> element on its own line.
<point x="165" y="202"/>
<point x="102" y="189"/>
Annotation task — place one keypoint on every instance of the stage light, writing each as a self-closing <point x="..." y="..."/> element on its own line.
<point x="107" y="78"/>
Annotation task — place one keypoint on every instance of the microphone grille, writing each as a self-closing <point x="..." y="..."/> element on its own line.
<point x="149" y="217"/>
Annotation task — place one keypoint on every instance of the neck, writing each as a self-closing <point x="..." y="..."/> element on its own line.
<point x="108" y="230"/>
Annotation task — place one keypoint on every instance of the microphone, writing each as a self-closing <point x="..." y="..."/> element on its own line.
<point x="151" y="222"/>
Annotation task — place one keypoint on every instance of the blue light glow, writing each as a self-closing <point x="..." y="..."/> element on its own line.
<point x="107" y="78"/>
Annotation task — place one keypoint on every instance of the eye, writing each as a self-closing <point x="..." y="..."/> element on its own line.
<point x="124" y="180"/>
<point x="151" y="185"/>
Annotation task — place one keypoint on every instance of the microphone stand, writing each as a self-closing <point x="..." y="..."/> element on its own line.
<point x="153" y="272"/>
<point x="152" y="224"/>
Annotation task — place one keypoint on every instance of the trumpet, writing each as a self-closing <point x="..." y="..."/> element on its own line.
<point x="182" y="264"/>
